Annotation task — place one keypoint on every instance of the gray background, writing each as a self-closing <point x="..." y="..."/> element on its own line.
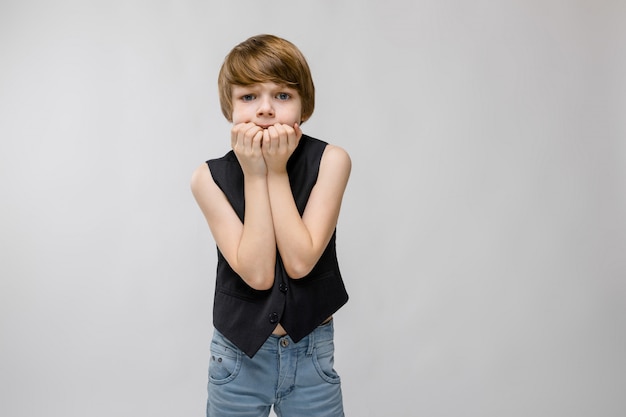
<point x="482" y="236"/>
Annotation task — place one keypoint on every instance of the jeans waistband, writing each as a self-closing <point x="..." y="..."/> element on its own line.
<point x="322" y="334"/>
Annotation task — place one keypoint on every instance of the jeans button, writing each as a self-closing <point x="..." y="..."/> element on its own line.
<point x="284" y="342"/>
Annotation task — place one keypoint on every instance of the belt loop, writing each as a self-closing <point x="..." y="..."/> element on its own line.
<point x="309" y="350"/>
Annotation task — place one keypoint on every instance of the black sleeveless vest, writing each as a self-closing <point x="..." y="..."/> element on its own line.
<point x="247" y="316"/>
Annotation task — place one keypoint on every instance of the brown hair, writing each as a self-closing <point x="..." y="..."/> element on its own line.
<point x="266" y="58"/>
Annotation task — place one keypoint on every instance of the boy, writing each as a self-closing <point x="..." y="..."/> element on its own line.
<point x="272" y="205"/>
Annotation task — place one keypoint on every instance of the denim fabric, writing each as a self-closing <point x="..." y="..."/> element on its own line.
<point x="298" y="379"/>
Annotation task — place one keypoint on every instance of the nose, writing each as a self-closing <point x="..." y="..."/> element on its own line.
<point x="265" y="108"/>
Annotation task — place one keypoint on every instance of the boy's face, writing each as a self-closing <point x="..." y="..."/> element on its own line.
<point x="266" y="104"/>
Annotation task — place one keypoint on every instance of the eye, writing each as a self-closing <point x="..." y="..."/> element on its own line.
<point x="283" y="96"/>
<point x="247" y="97"/>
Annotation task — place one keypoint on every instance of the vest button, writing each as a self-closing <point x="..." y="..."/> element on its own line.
<point x="274" y="318"/>
<point x="283" y="287"/>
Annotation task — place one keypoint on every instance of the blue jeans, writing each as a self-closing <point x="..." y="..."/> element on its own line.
<point x="298" y="379"/>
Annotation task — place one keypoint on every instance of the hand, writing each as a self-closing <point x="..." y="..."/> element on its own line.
<point x="279" y="143"/>
<point x="246" y="140"/>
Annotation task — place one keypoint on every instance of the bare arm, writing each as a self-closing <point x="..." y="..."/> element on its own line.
<point x="302" y="240"/>
<point x="249" y="247"/>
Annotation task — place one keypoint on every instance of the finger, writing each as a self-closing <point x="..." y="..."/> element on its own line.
<point x="250" y="134"/>
<point x="237" y="134"/>
<point x="283" y="135"/>
<point x="244" y="139"/>
<point x="257" y="139"/>
<point x="266" y="141"/>
<point x="297" y="129"/>
<point x="234" y="135"/>
<point x="273" y="137"/>
<point x="292" y="137"/>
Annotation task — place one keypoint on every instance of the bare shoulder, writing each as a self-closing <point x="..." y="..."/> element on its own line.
<point x="335" y="168"/>
<point x="336" y="158"/>
<point x="199" y="176"/>
<point x="210" y="198"/>
<point x="202" y="181"/>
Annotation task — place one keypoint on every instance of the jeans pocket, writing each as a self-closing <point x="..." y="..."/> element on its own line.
<point x="324" y="361"/>
<point x="225" y="363"/>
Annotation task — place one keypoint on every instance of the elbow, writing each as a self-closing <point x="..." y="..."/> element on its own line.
<point x="257" y="272"/>
<point x="261" y="284"/>
<point x="297" y="270"/>
<point x="259" y="281"/>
